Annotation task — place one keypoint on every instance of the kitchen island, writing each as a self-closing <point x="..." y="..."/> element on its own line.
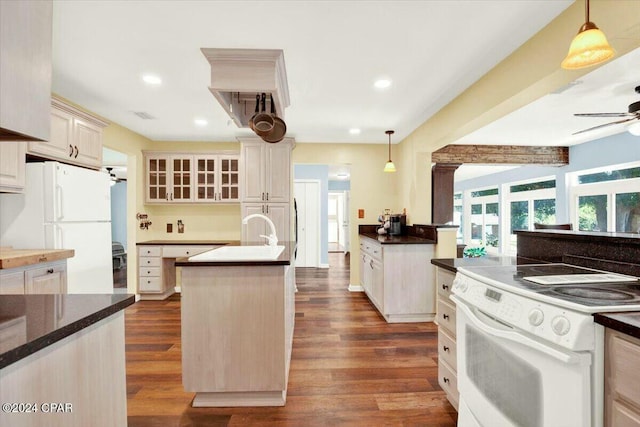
<point x="237" y="328"/>
<point x="62" y="360"/>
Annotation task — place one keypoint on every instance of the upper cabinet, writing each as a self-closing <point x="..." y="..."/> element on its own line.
<point x="76" y="137"/>
<point x="192" y="178"/>
<point x="12" y="167"/>
<point x="25" y="70"/>
<point x="266" y="171"/>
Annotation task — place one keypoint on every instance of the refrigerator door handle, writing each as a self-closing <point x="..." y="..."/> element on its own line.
<point x="60" y="213"/>
<point x="60" y="237"/>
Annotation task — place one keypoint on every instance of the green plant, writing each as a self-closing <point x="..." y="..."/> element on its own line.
<point x="474" y="252"/>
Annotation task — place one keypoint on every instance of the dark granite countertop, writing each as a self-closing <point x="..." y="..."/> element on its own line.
<point x="189" y="242"/>
<point x="286" y="257"/>
<point x="398" y="240"/>
<point x="50" y="318"/>
<point x="594" y="236"/>
<point x="627" y="323"/>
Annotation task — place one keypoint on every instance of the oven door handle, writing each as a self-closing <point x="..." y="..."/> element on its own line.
<point x="494" y="328"/>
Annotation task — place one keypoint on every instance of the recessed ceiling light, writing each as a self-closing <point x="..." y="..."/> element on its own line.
<point x="152" y="79"/>
<point x="200" y="122"/>
<point x="354" y="131"/>
<point x="343" y="175"/>
<point x="382" y="83"/>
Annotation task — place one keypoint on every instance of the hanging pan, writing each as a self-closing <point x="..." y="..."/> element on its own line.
<point x="263" y="122"/>
<point x="256" y="112"/>
<point x="279" y="127"/>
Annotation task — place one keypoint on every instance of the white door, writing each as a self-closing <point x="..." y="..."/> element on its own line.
<point x="346" y="223"/>
<point x="307" y="194"/>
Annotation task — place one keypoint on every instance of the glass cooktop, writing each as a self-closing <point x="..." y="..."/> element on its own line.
<point x="579" y="285"/>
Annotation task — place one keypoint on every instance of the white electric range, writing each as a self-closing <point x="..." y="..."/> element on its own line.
<point x="529" y="351"/>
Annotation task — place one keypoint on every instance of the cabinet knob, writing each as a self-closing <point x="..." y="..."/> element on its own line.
<point x="445" y="379"/>
<point x="70" y="150"/>
<point x="445" y="316"/>
<point x="445" y="348"/>
<point x="76" y="156"/>
<point x="50" y="271"/>
<point x="445" y="287"/>
<point x="148" y="272"/>
<point x="187" y="252"/>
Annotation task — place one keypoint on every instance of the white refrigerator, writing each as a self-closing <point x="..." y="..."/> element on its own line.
<point x="64" y="207"/>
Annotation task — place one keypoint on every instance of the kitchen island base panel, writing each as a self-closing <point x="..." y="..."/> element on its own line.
<point x="255" y="398"/>
<point x="237" y="331"/>
<point x="409" y="318"/>
<point x="85" y="370"/>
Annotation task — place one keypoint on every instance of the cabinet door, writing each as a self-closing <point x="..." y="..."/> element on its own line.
<point x="61" y="144"/>
<point x="157" y="179"/>
<point x="25" y="69"/>
<point x="12" y="166"/>
<point x="279" y="214"/>
<point x="377" y="284"/>
<point x="255" y="227"/>
<point x="12" y="283"/>
<point x="278" y="176"/>
<point x="51" y="279"/>
<point x="253" y="172"/>
<point x="206" y="176"/>
<point x="87" y="143"/>
<point x="229" y="179"/>
<point x="181" y="179"/>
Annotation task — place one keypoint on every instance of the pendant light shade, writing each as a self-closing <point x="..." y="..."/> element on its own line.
<point x="389" y="167"/>
<point x="589" y="47"/>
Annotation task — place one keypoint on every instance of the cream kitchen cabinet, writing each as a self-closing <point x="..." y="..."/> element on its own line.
<point x="25" y="70"/>
<point x="76" y="137"/>
<point x="397" y="278"/>
<point x="12" y="167"/>
<point x="266" y="171"/>
<point x="622" y="380"/>
<point x="446" y="321"/>
<point x="157" y="269"/>
<point x="217" y="178"/>
<point x="276" y="212"/>
<point x="43" y="278"/>
<point x="192" y="177"/>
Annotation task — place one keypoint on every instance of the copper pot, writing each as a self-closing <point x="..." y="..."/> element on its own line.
<point x="263" y="122"/>
<point x="279" y="127"/>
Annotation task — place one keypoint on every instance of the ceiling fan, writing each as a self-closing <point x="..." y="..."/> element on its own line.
<point x="633" y="114"/>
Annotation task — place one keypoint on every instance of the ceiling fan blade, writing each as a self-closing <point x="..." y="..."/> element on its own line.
<point x="604" y="114"/>
<point x="605" y="125"/>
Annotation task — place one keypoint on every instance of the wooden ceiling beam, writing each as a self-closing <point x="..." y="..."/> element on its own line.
<point x="502" y="154"/>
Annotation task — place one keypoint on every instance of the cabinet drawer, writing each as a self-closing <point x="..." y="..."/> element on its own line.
<point x="447" y="317"/>
<point x="150" y="250"/>
<point x="12" y="283"/>
<point x="150" y="284"/>
<point x="447" y="348"/>
<point x="371" y="248"/>
<point x="448" y="380"/>
<point x="146" y="261"/>
<point x="624" y="360"/>
<point x="149" y="271"/>
<point x="183" y="251"/>
<point x="444" y="282"/>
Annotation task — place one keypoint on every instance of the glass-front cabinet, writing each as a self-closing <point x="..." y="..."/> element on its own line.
<point x="191" y="178"/>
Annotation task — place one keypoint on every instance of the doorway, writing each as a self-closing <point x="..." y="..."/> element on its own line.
<point x="338" y="218"/>
<point x="307" y="197"/>
<point x="114" y="163"/>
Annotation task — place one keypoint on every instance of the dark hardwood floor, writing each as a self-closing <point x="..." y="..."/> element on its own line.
<point x="348" y="368"/>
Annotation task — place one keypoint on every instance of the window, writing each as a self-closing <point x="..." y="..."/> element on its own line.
<point x="458" y="218"/>
<point x="607" y="199"/>
<point x="484" y="220"/>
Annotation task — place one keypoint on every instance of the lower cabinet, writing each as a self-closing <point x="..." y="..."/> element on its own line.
<point x="398" y="279"/>
<point x="622" y="380"/>
<point x="45" y="278"/>
<point x="157" y="269"/>
<point x="446" y="321"/>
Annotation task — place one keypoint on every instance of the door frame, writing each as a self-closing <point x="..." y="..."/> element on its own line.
<point x="318" y="224"/>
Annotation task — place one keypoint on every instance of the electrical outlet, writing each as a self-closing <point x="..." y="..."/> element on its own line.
<point x="360" y="213"/>
<point x="169" y="228"/>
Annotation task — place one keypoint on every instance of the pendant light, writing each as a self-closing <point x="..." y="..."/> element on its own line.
<point x="389" y="167"/>
<point x="589" y="47"/>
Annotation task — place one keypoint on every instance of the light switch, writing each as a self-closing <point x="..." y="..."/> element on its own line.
<point x="360" y="213"/>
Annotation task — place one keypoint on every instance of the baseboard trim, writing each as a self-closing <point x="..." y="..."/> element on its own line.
<point x="355" y="288"/>
<point x="323" y="265"/>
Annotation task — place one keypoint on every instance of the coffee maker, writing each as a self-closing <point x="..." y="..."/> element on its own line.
<point x="397" y="223"/>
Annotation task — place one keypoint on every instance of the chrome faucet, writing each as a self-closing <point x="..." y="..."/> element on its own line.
<point x="272" y="238"/>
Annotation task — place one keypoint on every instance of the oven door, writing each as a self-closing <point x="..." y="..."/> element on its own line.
<point x="507" y="378"/>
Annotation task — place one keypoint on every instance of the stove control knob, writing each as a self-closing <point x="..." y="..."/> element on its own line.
<point x="536" y="316"/>
<point x="560" y="325"/>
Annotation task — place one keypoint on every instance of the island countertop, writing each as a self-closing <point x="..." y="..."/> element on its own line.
<point x="287" y="257"/>
<point x="11" y="258"/>
<point x="189" y="242"/>
<point x="46" y="319"/>
<point x="627" y="323"/>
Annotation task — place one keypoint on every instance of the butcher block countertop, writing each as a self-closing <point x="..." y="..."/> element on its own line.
<point x="11" y="258"/>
